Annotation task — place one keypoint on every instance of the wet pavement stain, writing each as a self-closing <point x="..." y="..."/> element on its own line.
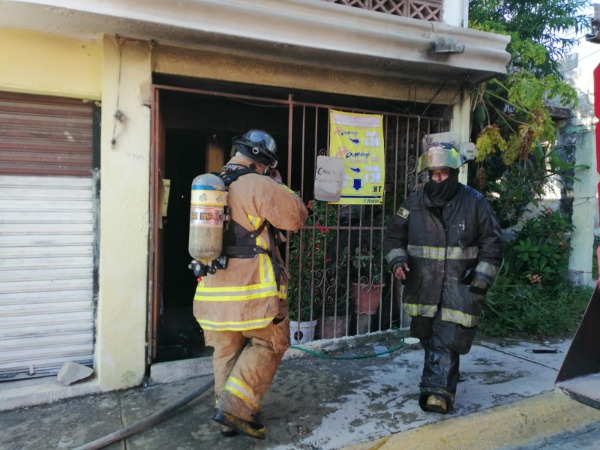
<point x="494" y="376"/>
<point x="314" y="403"/>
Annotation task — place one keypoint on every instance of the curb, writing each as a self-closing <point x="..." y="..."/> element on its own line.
<point x="508" y="426"/>
<point x="40" y="391"/>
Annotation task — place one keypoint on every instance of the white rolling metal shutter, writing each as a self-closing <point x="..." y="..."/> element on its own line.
<point x="46" y="274"/>
<point x="47" y="235"/>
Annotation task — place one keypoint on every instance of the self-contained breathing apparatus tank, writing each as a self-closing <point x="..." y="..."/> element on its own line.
<point x="208" y="214"/>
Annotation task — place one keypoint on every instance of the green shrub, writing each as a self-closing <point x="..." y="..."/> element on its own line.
<point x="539" y="253"/>
<point x="532" y="296"/>
<point x="314" y="272"/>
<point x="533" y="310"/>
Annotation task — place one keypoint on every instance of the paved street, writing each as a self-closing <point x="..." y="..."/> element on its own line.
<point x="506" y="397"/>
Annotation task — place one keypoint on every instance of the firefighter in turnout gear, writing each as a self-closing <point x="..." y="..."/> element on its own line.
<point x="445" y="244"/>
<point x="243" y="308"/>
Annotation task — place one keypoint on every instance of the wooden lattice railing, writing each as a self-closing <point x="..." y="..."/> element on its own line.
<point x="430" y="10"/>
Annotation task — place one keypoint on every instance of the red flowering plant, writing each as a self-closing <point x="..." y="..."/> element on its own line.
<point x="313" y="265"/>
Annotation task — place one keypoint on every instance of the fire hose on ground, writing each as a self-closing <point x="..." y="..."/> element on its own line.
<point x="150" y="421"/>
<point x="146" y="423"/>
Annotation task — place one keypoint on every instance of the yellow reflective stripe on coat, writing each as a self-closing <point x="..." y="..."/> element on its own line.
<point x="236" y="293"/>
<point x="413" y="309"/>
<point x="254" y="221"/>
<point x="259" y="241"/>
<point x="442" y="253"/>
<point x="235" y="326"/>
<point x="242" y="391"/>
<point x="461" y="318"/>
<point x="267" y="272"/>
<point x="283" y="292"/>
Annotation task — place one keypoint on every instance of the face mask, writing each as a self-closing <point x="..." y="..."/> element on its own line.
<point x="441" y="193"/>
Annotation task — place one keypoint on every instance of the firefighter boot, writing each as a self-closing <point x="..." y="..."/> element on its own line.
<point x="228" y="431"/>
<point x="252" y="429"/>
<point x="436" y="404"/>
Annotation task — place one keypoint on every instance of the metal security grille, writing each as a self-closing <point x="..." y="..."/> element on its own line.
<point x="340" y="247"/>
<point x="430" y="10"/>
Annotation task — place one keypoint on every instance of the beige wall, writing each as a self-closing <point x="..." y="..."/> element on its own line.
<point x="206" y="64"/>
<point x="47" y="64"/>
<point x="461" y="125"/>
<point x="124" y="218"/>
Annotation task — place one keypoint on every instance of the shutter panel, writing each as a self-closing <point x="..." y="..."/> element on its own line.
<point x="46" y="274"/>
<point x="45" y="135"/>
<point x="47" y="235"/>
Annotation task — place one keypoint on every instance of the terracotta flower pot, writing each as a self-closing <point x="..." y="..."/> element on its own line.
<point x="332" y="327"/>
<point x="367" y="297"/>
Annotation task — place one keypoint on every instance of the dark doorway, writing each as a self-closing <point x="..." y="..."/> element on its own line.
<point x="198" y="132"/>
<point x="194" y="125"/>
<point x="179" y="335"/>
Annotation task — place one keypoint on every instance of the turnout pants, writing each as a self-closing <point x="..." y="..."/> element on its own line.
<point x="244" y="364"/>
<point x="443" y="343"/>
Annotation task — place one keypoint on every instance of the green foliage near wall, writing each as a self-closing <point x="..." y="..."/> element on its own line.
<point x="314" y="271"/>
<point x="512" y="127"/>
<point x="515" y="135"/>
<point x="532" y="295"/>
<point x="533" y="311"/>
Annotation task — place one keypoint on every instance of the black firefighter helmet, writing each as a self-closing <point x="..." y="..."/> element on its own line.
<point x="258" y="145"/>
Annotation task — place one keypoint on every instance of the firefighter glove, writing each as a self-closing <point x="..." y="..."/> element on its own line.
<point x="479" y="286"/>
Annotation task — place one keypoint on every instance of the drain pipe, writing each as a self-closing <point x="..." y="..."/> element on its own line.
<point x="146" y="423"/>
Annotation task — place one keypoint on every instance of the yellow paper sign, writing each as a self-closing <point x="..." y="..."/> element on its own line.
<point x="358" y="140"/>
<point x="164" y="197"/>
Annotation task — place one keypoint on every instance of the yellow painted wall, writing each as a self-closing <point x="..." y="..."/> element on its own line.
<point x="48" y="64"/>
<point x="124" y="219"/>
<point x="117" y="73"/>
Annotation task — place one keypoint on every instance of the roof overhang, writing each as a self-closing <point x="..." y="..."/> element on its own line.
<point x="307" y="32"/>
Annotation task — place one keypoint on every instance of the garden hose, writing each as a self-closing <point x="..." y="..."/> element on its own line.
<point x="370" y="355"/>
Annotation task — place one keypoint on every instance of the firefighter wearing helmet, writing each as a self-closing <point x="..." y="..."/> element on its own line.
<point x="242" y="307"/>
<point x="445" y="245"/>
<point x="259" y="146"/>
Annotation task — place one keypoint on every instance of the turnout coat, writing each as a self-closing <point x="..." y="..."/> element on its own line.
<point x="248" y="294"/>
<point x="446" y="248"/>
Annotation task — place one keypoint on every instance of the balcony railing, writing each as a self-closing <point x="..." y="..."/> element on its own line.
<point x="430" y="10"/>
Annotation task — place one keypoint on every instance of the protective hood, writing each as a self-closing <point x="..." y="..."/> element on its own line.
<point x="440" y="193"/>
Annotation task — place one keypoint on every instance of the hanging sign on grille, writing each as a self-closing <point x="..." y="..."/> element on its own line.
<point x="358" y="140"/>
<point x="329" y="177"/>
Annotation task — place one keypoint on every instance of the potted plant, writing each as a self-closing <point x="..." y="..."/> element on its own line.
<point x="331" y="301"/>
<point x="367" y="289"/>
<point x="313" y="267"/>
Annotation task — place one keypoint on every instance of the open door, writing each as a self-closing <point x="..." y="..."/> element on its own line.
<point x="192" y="131"/>
<point x="156" y="234"/>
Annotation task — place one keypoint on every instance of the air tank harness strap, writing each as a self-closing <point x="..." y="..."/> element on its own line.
<point x="244" y="247"/>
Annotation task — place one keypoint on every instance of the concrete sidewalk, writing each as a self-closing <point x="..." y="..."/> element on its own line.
<point x="535" y="422"/>
<point x="348" y="399"/>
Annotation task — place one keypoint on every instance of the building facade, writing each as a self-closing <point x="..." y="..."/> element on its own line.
<point x="107" y="108"/>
